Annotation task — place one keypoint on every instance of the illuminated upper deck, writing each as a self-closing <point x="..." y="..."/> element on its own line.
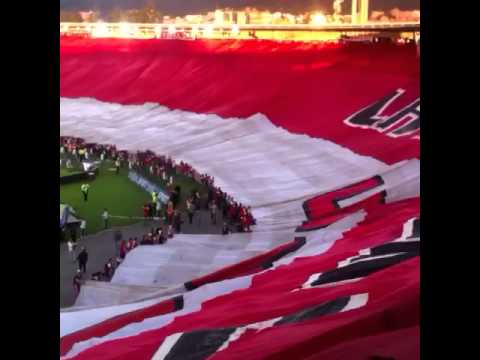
<point x="212" y="31"/>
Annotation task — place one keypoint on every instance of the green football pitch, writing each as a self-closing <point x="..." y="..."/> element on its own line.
<point x="65" y="171"/>
<point x="118" y="194"/>
<point x="115" y="192"/>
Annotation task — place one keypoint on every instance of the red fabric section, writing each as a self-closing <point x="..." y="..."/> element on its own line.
<point x="105" y="327"/>
<point x="323" y="210"/>
<point x="306" y="88"/>
<point x="392" y="307"/>
<point x="402" y="344"/>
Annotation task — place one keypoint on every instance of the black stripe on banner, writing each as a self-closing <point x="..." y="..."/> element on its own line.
<point x="331" y="307"/>
<point x="360" y="269"/>
<point x="415" y="229"/>
<point x="383" y="200"/>
<point x="298" y="243"/>
<point x="300" y="229"/>
<point x="178" y="303"/>
<point x="189" y="286"/>
<point x="199" y="345"/>
<point x="306" y="209"/>
<point x="396" y="247"/>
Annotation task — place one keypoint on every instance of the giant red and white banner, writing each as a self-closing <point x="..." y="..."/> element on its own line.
<point x="322" y="140"/>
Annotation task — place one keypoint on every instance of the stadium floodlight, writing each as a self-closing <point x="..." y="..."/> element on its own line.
<point x="208" y="30"/>
<point x="100" y="30"/>
<point x="171" y="29"/>
<point x="235" y="30"/>
<point x="194" y="30"/>
<point x="319" y="19"/>
<point x="124" y="29"/>
<point x="158" y="31"/>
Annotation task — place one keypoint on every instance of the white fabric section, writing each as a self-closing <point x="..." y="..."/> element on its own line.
<point x="259" y="164"/>
<point x="356" y="301"/>
<point x="318" y="242"/>
<point x="101" y="293"/>
<point x="403" y="182"/>
<point x="407" y="232"/>
<point x="186" y="257"/>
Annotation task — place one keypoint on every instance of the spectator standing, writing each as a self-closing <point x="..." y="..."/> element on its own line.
<point x="85" y="188"/>
<point x="213" y="212"/>
<point x="72" y="249"/>
<point x="117" y="166"/>
<point x="81" y="154"/>
<point x="146" y="212"/>
<point x="154" y="197"/>
<point x="190" y="210"/>
<point x="130" y="244"/>
<point x="105" y="217"/>
<point x="108" y="270"/>
<point x="196" y="199"/>
<point x="82" y="259"/>
<point x="123" y="249"/>
<point x="83" y="228"/>
<point x="177" y="221"/>
<point x="170" y="213"/>
<point x="225" y="229"/>
<point x="73" y="234"/>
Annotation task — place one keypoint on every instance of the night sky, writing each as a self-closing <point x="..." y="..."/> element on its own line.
<point x="183" y="7"/>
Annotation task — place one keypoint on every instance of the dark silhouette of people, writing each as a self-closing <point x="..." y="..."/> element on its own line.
<point x="82" y="259"/>
<point x="225" y="229"/>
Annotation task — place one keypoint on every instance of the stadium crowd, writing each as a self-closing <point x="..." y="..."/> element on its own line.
<point x="235" y="215"/>
<point x="164" y="168"/>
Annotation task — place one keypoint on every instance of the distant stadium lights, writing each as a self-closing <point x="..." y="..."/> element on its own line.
<point x="235" y="30"/>
<point x="208" y="30"/>
<point x="319" y="19"/>
<point x="194" y="30"/>
<point x="100" y="30"/>
<point x="124" y="29"/>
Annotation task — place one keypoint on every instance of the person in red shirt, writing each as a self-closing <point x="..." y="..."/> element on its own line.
<point x="131" y="244"/>
<point x="170" y="212"/>
<point x="123" y="249"/>
<point x="146" y="211"/>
